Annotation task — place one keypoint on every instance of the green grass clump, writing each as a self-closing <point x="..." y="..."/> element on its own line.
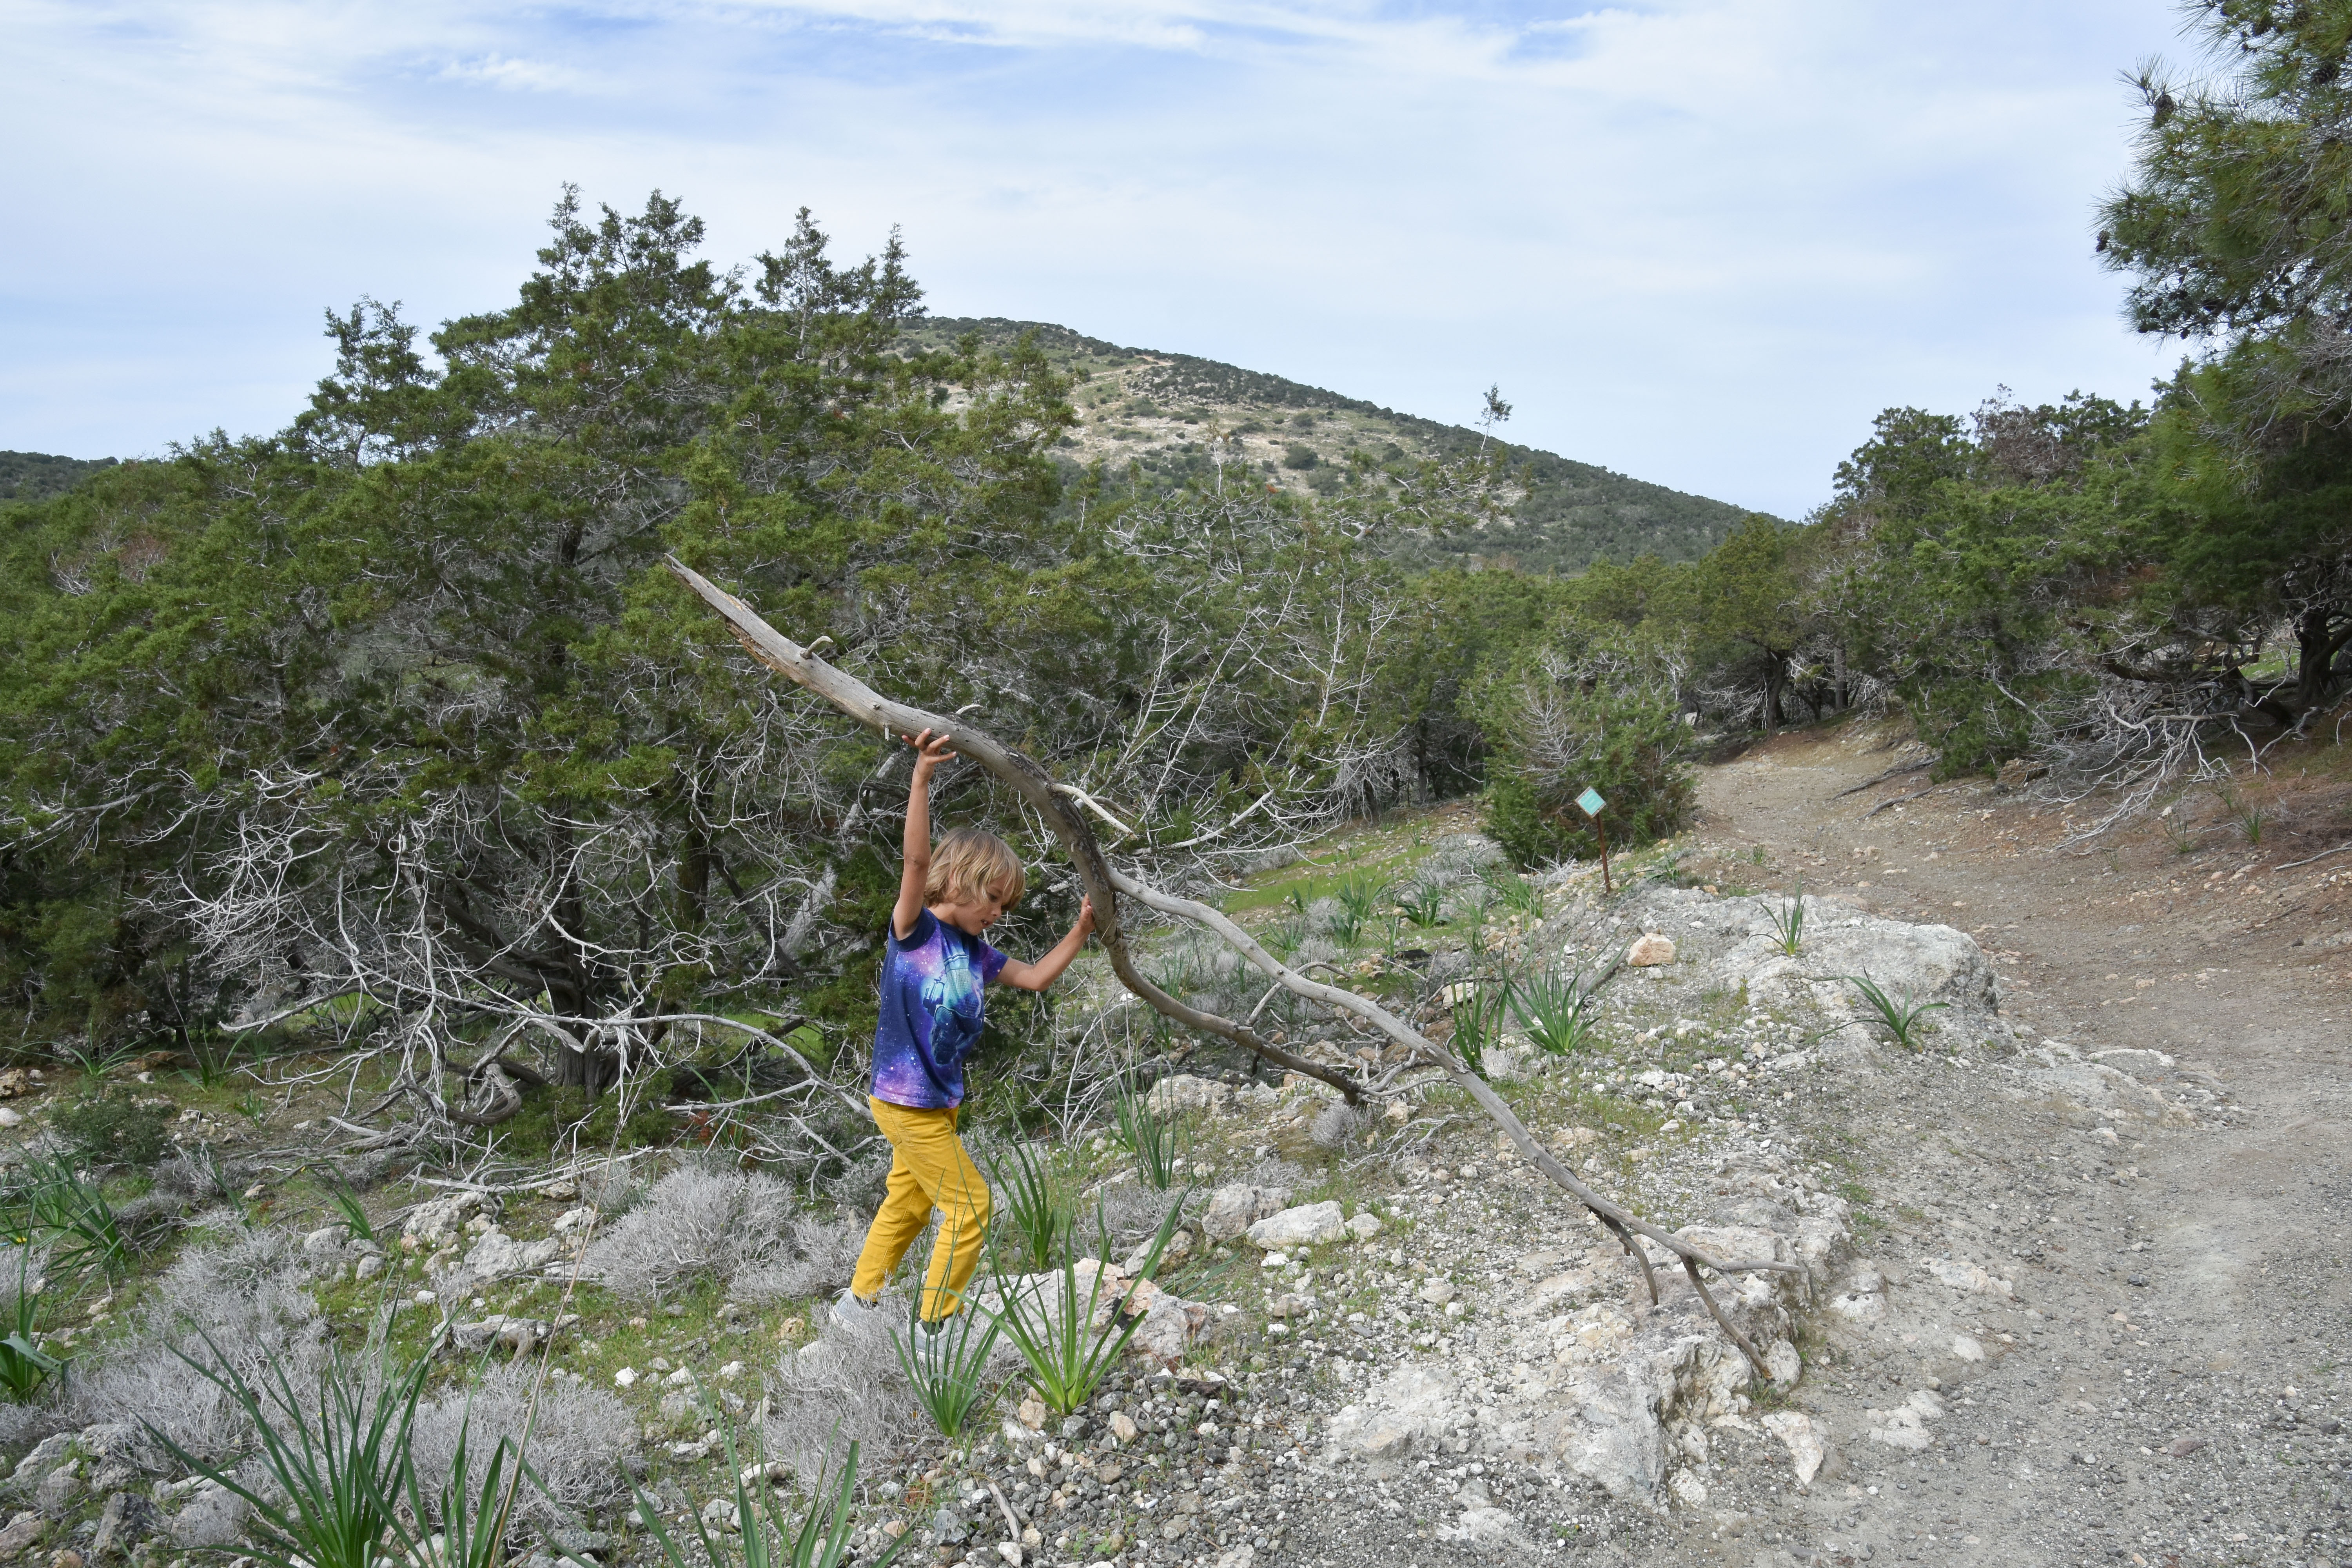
<point x="114" y="1127"/>
<point x="50" y="1204"/>
<point x="1556" y="1011"/>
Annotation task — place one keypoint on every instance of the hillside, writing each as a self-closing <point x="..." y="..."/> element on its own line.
<point x="1158" y="410"/>
<point x="37" y="475"/>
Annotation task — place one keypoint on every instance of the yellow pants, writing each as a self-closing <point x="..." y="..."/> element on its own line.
<point x="928" y="1169"/>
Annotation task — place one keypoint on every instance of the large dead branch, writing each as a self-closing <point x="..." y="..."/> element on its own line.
<point x="1104" y="886"/>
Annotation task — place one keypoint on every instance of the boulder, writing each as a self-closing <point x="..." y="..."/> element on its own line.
<point x="23" y="1531"/>
<point x="127" y="1520"/>
<point x="496" y="1254"/>
<point x="1232" y="1209"/>
<point x="1182" y="1091"/>
<point x="1311" y="1225"/>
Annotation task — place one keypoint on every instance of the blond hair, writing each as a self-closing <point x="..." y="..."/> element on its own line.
<point x="969" y="862"/>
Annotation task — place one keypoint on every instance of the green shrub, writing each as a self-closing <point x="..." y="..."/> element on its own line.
<point x="551" y="1115"/>
<point x="1629" y="746"/>
<point x="1297" y="456"/>
<point x="114" y="1128"/>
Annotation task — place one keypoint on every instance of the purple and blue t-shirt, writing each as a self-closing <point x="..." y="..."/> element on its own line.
<point x="931" y="1012"/>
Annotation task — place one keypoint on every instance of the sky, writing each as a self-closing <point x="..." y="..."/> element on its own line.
<point x="1701" y="242"/>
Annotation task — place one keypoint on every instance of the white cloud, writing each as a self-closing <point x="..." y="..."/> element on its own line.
<point x="1701" y="240"/>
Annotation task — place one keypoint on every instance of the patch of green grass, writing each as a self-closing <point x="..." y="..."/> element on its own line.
<point x="113" y="1127"/>
<point x="555" y="1115"/>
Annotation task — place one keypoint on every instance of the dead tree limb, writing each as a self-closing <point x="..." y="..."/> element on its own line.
<point x="1898" y="800"/>
<point x="1895" y="772"/>
<point x="1032" y="783"/>
<point x="1104" y="885"/>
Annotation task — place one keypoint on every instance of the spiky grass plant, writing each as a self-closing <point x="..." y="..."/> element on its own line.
<point x="333" y="1469"/>
<point x="347" y="1208"/>
<point x="474" y="1519"/>
<point x="1422" y="904"/>
<point x="1155" y="1138"/>
<point x="1032" y="1204"/>
<point x="1788" y="919"/>
<point x="1478" y="1021"/>
<point x="1519" y="896"/>
<point x="769" y="1536"/>
<point x="52" y="1203"/>
<point x="1050" y="1320"/>
<point x="1902" y="1015"/>
<point x="1358" y="898"/>
<point x="1556" y="1011"/>
<point x="946" y="1362"/>
<point x="24" y="1367"/>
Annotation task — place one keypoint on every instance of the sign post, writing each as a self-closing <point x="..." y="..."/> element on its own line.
<point x="1591" y="803"/>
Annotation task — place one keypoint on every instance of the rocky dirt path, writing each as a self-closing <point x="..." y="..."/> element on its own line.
<point x="2182" y="1319"/>
<point x="2113" y="1326"/>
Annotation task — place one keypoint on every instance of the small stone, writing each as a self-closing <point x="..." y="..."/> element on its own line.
<point x="1650" y="951"/>
<point x="1122" y="1426"/>
<point x="1968" y="1348"/>
<point x="1364" y="1226"/>
<point x="67" y="1559"/>
<point x="1437" y="1292"/>
<point x="369" y="1265"/>
<point x="625" y="1378"/>
<point x="10" y="1118"/>
<point x="2182" y="1447"/>
<point x="1010" y="1551"/>
<point x="1033" y="1414"/>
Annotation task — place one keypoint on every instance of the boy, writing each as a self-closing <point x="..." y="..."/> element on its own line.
<point x="933" y="969"/>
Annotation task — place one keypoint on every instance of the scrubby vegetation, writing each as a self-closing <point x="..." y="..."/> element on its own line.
<point x="425" y="942"/>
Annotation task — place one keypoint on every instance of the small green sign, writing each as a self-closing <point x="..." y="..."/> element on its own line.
<point x="1591" y="802"/>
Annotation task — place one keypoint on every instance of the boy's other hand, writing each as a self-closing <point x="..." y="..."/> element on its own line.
<point x="930" y="753"/>
<point x="1085" y="918"/>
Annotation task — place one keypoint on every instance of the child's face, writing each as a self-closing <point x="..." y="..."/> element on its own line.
<point x="971" y="913"/>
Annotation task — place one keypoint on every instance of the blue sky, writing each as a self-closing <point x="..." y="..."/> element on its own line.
<point x="1701" y="243"/>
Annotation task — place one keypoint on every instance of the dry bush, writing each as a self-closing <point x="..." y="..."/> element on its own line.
<point x="824" y="1255"/>
<point x="248" y="1298"/>
<point x="1131" y="1210"/>
<point x="703" y="1221"/>
<point x="1338" y="1124"/>
<point x="578" y="1442"/>
<point x="611" y="1189"/>
<point x="847" y="1386"/>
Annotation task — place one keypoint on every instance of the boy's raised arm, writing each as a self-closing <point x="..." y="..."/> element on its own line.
<point x="916" y="872"/>
<point x="1045" y="970"/>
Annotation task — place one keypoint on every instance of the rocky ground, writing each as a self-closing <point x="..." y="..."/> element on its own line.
<point x="2068" y="1284"/>
<point x="2113" y="1298"/>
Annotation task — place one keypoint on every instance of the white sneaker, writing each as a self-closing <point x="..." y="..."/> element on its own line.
<point x="849" y="1312"/>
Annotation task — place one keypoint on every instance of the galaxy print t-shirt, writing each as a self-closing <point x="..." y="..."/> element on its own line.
<point x="932" y="1012"/>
